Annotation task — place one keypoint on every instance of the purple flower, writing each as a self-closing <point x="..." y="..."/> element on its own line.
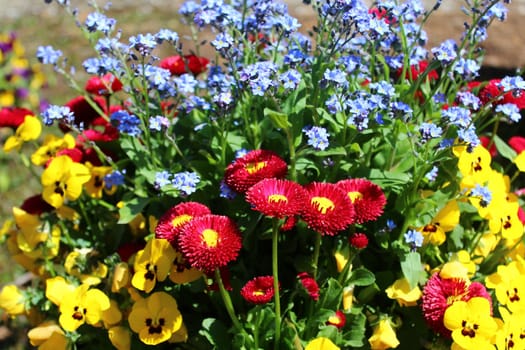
<point x="115" y="178"/>
<point x="429" y="131"/>
<point x="60" y="113"/>
<point x="483" y="193"/>
<point x="290" y="79"/>
<point x="162" y="178"/>
<point x="458" y="116"/>
<point x="97" y="21"/>
<point x="446" y="52"/>
<point x="223" y="41"/>
<point x="126" y="123"/>
<point x="48" y="55"/>
<point x="510" y="110"/>
<point x="414" y="238"/>
<point x="143" y="43"/>
<point x="317" y="137"/>
<point x="186" y="182"/>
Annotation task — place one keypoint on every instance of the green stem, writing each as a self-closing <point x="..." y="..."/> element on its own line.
<point x="315" y="258"/>
<point x="275" y="272"/>
<point x="228" y="303"/>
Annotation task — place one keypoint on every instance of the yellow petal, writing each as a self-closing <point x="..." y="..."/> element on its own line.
<point x="321" y="343"/>
<point x="520" y="161"/>
<point x="120" y="337"/>
<point x="11" y="300"/>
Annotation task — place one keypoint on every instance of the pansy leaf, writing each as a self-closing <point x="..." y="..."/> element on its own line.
<point x="412" y="268"/>
<point x="361" y="277"/>
<point x="131" y="208"/>
<point x="215" y="332"/>
<point x="503" y="149"/>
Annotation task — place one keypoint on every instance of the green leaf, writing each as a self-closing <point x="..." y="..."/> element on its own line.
<point x="504" y="150"/>
<point x="131" y="209"/>
<point x="412" y="268"/>
<point x="216" y="332"/>
<point x="279" y="120"/>
<point x="362" y="277"/>
<point x="332" y="295"/>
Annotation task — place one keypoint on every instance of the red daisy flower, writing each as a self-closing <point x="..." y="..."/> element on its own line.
<point x="256" y="165"/>
<point x="103" y="86"/>
<point x="328" y="209"/>
<point x="309" y="284"/>
<point x="178" y="65"/>
<point x="439" y="293"/>
<point x="493" y="92"/>
<point x="276" y="198"/>
<point x="517" y="143"/>
<point x="171" y="224"/>
<point x="368" y="198"/>
<point x="210" y="241"/>
<point x="259" y="290"/>
<point x="338" y="319"/>
<point x="289" y="223"/>
<point x="416" y="70"/>
<point x="12" y="117"/>
<point x="358" y="240"/>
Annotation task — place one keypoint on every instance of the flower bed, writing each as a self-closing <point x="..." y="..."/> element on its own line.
<point x="344" y="190"/>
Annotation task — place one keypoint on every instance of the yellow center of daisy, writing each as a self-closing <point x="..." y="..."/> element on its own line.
<point x="334" y="319"/>
<point x="323" y="204"/>
<point x="258" y="292"/>
<point x="252" y="168"/>
<point x="180" y="220"/>
<point x="354" y="196"/>
<point x="276" y="198"/>
<point x="210" y="237"/>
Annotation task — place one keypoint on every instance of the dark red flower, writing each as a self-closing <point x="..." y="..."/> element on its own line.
<point x="439" y="293"/>
<point x="358" y="240"/>
<point x="209" y="242"/>
<point x="382" y="13"/>
<point x="309" y="284"/>
<point x="338" y="319"/>
<point x="517" y="143"/>
<point x="84" y="113"/>
<point x="74" y="153"/>
<point x="259" y="290"/>
<point x="36" y="205"/>
<point x="276" y="197"/>
<point x="368" y="198"/>
<point x="492" y="92"/>
<point x="178" y="65"/>
<point x="128" y="249"/>
<point x="416" y="70"/>
<point x="103" y="86"/>
<point x="328" y="209"/>
<point x="256" y="165"/>
<point x="13" y="117"/>
<point x="171" y="224"/>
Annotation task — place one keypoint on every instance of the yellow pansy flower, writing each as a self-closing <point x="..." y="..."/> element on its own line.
<point x="82" y="305"/>
<point x="383" y="336"/>
<point x="463" y="257"/>
<point x="520" y="161"/>
<point x="121" y="277"/>
<point x="63" y="179"/>
<point x="181" y="272"/>
<point x="511" y="334"/>
<point x="348" y="297"/>
<point x="120" y="337"/>
<point x="471" y="323"/>
<point x="12" y="300"/>
<point x="56" y="287"/>
<point x="111" y="316"/>
<point x="180" y="336"/>
<point x="76" y="265"/>
<point x="29" y="130"/>
<point x="95" y="186"/>
<point x="48" y="336"/>
<point x="473" y="164"/>
<point x="400" y="290"/>
<point x="35" y="238"/>
<point x="152" y="264"/>
<point x="321" y="343"/>
<point x="445" y="220"/>
<point x="51" y="145"/>
<point x="508" y="282"/>
<point x="155" y="318"/>
<point x="505" y="220"/>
